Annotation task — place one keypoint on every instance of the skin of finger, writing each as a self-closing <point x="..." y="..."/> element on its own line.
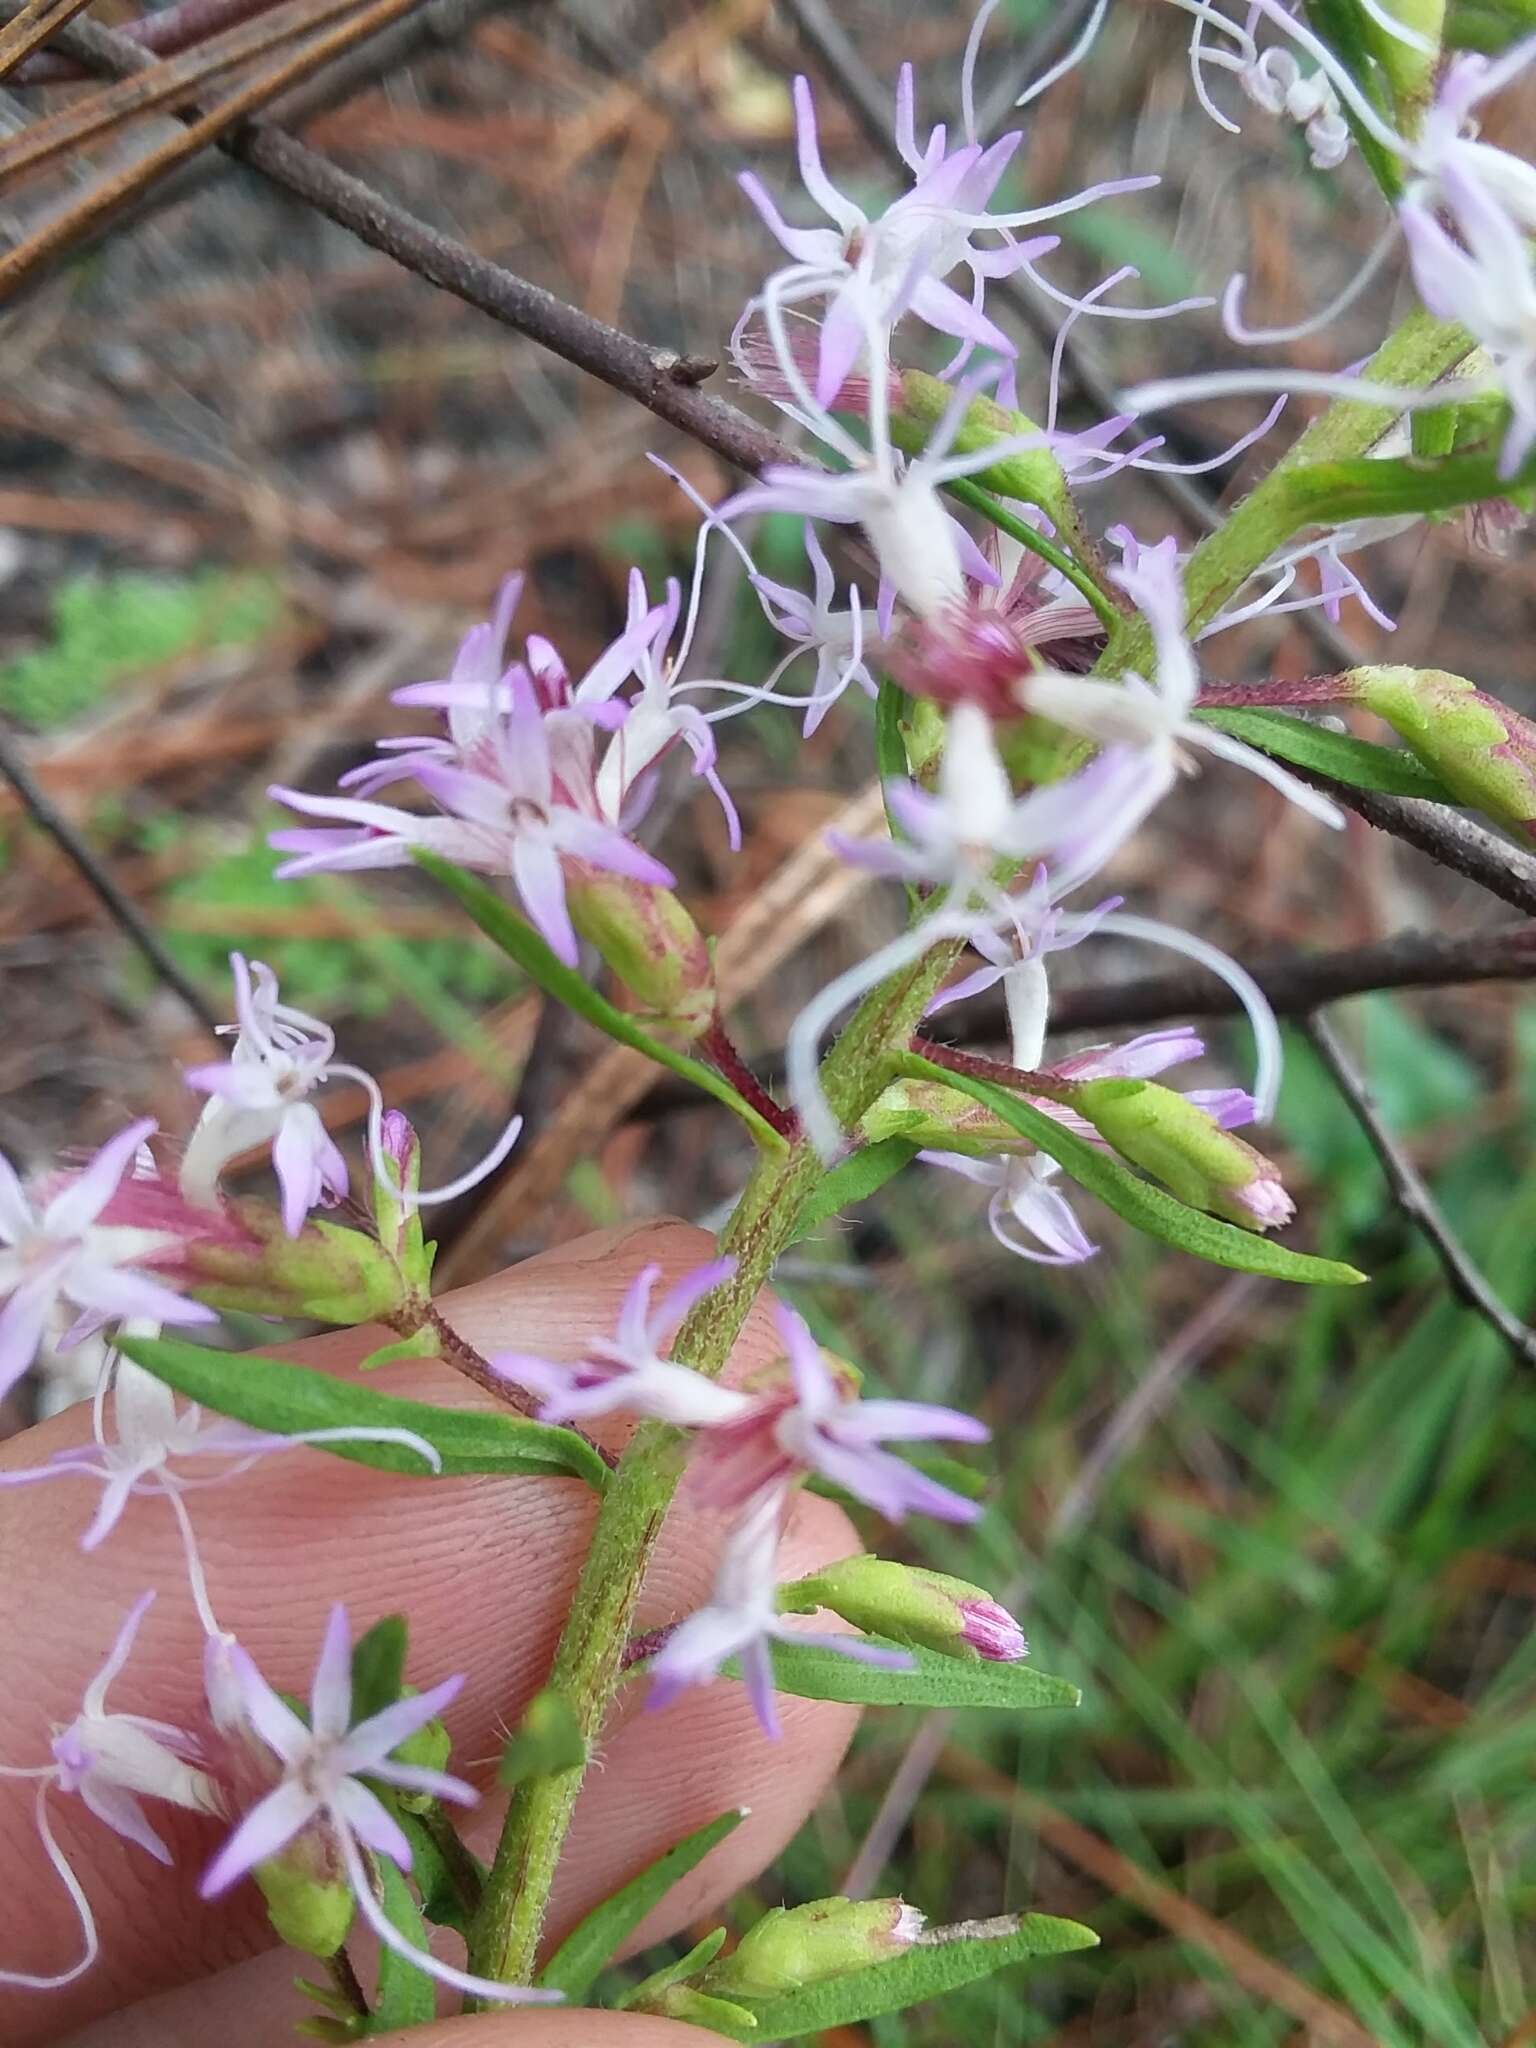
<point x="254" y="2005"/>
<point x="484" y="1567"/>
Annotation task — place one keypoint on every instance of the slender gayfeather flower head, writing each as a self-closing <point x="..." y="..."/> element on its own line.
<point x="260" y="1095"/>
<point x="115" y="1761"/>
<point x="56" y="1247"/>
<point x="111" y="1762"/>
<point x="323" y="1773"/>
<point x="1026" y="1214"/>
<point x="629" y="1371"/>
<point x="511" y="819"/>
<point x="741" y="1619"/>
<point x="871" y="270"/>
<point x="816" y="1423"/>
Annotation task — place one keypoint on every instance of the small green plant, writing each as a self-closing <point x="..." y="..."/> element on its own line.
<point x="108" y="627"/>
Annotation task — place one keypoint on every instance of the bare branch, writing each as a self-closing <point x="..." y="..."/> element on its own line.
<point x="120" y="907"/>
<point x="1411" y="1193"/>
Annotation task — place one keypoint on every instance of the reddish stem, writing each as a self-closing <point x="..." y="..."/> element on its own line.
<point x="1335" y="689"/>
<point x="722" y="1055"/>
<point x="978" y="1068"/>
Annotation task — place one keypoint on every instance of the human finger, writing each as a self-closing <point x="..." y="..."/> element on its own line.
<point x="483" y="1567"/>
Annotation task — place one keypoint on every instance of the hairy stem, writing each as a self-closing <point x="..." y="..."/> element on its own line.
<point x="1419" y="353"/>
<point x="588" y="1664"/>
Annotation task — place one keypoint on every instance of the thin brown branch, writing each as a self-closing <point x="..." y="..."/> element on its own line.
<point x="1412" y="1194"/>
<point x="164" y="84"/>
<point x="119" y="906"/>
<point x="31" y="26"/>
<point x="162" y="35"/>
<point x="1445" y="835"/>
<point x="56" y="237"/>
<point x="1297" y="982"/>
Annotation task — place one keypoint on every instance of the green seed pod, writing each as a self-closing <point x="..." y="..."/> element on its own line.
<point x="650" y="944"/>
<point x="906" y="1604"/>
<point x="1184" y="1147"/>
<point x="793" y="1946"/>
<point x="1482" y="751"/>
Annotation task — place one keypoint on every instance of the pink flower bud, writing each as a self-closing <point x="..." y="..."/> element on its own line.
<point x="992" y="1632"/>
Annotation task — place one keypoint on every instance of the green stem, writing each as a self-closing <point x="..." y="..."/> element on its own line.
<point x="971" y="493"/>
<point x="587" y="1668"/>
<point x="1419" y="353"/>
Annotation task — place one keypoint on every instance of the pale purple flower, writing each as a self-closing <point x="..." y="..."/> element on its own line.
<point x="816" y="1423"/>
<point x="1154" y="718"/>
<point x="657" y="718"/>
<point x="630" y="1370"/>
<point x="113" y="1762"/>
<point x="508" y="819"/>
<point x="1026" y="1214"/>
<point x="55" y="1248"/>
<point x="741" y="1619"/>
<point x="324" y="1769"/>
<point x="1486" y="282"/>
<point x="260" y="1096"/>
<point x="871" y="271"/>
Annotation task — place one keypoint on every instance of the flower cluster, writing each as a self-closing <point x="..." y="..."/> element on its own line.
<point x="1039" y="686"/>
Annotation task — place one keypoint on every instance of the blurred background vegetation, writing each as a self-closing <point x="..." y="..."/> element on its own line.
<point x="252" y="477"/>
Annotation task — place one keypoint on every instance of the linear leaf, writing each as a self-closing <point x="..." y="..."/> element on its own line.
<point x="1359" y="763"/>
<point x="1148" y="1208"/>
<point x="378" y="1667"/>
<point x="274" y="1394"/>
<point x="574" y="1966"/>
<point x="1383" y="487"/>
<point x="854" y="1179"/>
<point x="406" y="1996"/>
<point x="926" y="1971"/>
<point x="520" y="942"/>
<point x="812" y="1673"/>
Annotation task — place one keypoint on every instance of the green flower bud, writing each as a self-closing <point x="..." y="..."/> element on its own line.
<point x="1185" y="1148"/>
<point x="430" y="1749"/>
<point x="309" y="1909"/>
<point x="649" y="942"/>
<point x="327" y="1272"/>
<point x="1482" y="751"/>
<point x="906" y="1604"/>
<point x="939" y="1118"/>
<point x="696" y="2009"/>
<point x="797" y="1945"/>
<point x="1033" y="475"/>
<point x="399" y="1223"/>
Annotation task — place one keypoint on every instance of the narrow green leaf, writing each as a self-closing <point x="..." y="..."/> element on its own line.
<point x="812" y="1673"/>
<point x="1382" y="487"/>
<point x="1148" y="1208"/>
<point x="926" y="1971"/>
<point x="378" y="1667"/>
<point x="702" y="1953"/>
<point x="1359" y="763"/>
<point x="440" y="1901"/>
<point x="574" y="1966"/>
<point x="273" y="1394"/>
<point x="854" y="1179"/>
<point x="406" y="1996"/>
<point x="520" y="942"/>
